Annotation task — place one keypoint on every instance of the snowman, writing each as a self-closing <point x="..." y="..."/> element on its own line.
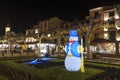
<point x="73" y="52"/>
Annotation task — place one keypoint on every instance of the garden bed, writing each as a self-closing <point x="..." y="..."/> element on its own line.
<point x="42" y="64"/>
<point x="55" y="71"/>
<point x="112" y="72"/>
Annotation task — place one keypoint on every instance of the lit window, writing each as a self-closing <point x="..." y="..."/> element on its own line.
<point x="106" y="36"/>
<point x="36" y="31"/>
<point x="105" y="29"/>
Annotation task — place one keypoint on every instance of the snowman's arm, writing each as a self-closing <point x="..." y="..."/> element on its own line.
<point x="66" y="49"/>
<point x="80" y="49"/>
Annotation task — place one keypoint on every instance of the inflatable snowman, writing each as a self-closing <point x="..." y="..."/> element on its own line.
<point x="73" y="52"/>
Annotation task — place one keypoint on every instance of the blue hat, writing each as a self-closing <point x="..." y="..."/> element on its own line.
<point x="73" y="33"/>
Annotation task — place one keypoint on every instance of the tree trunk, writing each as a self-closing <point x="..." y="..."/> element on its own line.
<point x="88" y="45"/>
<point x="117" y="48"/>
<point x="88" y="51"/>
<point x="59" y="43"/>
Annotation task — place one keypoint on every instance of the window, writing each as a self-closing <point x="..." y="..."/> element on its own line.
<point x="97" y="15"/>
<point x="36" y="31"/>
<point x="111" y="22"/>
<point x="111" y="14"/>
<point x="28" y="32"/>
<point x="45" y="24"/>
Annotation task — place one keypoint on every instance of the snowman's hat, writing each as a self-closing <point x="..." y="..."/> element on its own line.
<point x="73" y="33"/>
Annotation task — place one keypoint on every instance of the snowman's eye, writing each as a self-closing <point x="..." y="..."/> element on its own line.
<point x="75" y="38"/>
<point x="70" y="39"/>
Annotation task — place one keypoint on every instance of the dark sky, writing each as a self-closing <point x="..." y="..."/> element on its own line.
<point x="22" y="14"/>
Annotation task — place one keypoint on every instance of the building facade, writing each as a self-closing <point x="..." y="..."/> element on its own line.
<point x="106" y="19"/>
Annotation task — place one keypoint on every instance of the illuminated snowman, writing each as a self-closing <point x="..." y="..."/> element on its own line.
<point x="73" y="50"/>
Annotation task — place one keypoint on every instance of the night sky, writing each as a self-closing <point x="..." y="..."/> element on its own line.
<point x="23" y="14"/>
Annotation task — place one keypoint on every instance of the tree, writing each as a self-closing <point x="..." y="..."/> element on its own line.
<point x="87" y="29"/>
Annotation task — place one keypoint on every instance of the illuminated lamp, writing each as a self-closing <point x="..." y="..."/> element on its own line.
<point x="7" y="29"/>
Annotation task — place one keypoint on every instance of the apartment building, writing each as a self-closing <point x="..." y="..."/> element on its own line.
<point x="45" y="33"/>
<point x="106" y="19"/>
<point x="44" y="26"/>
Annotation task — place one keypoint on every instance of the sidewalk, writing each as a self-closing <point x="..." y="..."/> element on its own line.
<point x="16" y="55"/>
<point x="108" y="61"/>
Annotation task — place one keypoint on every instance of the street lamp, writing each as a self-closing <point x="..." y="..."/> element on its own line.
<point x="49" y="35"/>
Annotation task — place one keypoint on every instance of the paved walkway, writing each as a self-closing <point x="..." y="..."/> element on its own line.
<point x="107" y="60"/>
<point x="16" y="54"/>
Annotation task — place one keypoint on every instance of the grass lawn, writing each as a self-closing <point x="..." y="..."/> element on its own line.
<point x="52" y="73"/>
<point x="103" y="64"/>
<point x="3" y="78"/>
<point x="60" y="73"/>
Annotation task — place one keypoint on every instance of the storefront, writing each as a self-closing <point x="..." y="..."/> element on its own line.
<point x="42" y="49"/>
<point x="105" y="48"/>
